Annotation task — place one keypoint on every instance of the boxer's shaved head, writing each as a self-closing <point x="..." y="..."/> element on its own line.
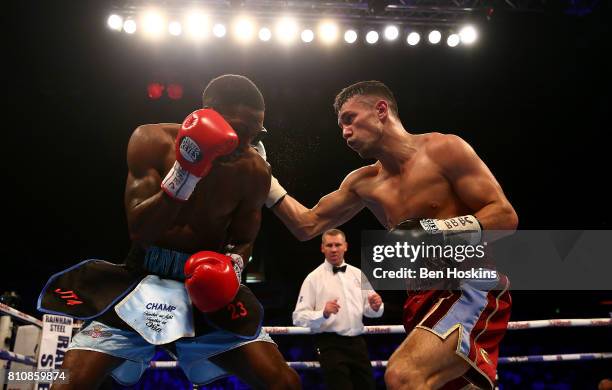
<point x="370" y="88"/>
<point x="230" y="90"/>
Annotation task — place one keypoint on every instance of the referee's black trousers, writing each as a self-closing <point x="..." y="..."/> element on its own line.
<point x="344" y="361"/>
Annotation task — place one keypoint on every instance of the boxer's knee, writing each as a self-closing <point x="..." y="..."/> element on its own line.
<point x="405" y="375"/>
<point x="86" y="369"/>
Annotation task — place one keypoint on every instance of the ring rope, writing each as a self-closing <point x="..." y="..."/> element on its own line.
<point x="518" y="325"/>
<point x="384" y="329"/>
<point x="310" y="365"/>
<point x="17" y="357"/>
<point x="19" y="315"/>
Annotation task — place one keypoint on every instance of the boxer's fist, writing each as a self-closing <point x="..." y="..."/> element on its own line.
<point x="204" y="136"/>
<point x="210" y="280"/>
<point x="464" y="230"/>
<point x="417" y="232"/>
<point x="436" y="235"/>
<point x="413" y="230"/>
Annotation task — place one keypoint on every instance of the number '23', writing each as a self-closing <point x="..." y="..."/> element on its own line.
<point x="238" y="310"/>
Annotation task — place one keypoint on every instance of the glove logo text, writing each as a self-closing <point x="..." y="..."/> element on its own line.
<point x="190" y="150"/>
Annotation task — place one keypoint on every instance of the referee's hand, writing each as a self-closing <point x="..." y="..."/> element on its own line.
<point x="375" y="301"/>
<point x="331" y="307"/>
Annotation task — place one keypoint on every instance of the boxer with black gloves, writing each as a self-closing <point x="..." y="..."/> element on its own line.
<point x="438" y="182"/>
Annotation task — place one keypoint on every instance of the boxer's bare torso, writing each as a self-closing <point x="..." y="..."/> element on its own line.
<point x="235" y="188"/>
<point x="419" y="189"/>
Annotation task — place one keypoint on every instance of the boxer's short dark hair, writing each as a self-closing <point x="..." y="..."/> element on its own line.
<point x="232" y="90"/>
<point x="366" y="88"/>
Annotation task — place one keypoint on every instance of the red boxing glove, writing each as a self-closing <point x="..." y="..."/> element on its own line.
<point x="204" y="136"/>
<point x="210" y="280"/>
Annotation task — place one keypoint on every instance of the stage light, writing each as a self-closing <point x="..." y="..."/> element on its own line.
<point x="307" y="36"/>
<point x="435" y="37"/>
<point x="372" y="37"/>
<point x="219" y="30"/>
<point x="286" y="30"/>
<point x="129" y="26"/>
<point x="175" y="91"/>
<point x="413" y="38"/>
<point x="391" y="33"/>
<point x="115" y="22"/>
<point x="153" y="23"/>
<point x="175" y="28"/>
<point x="265" y="34"/>
<point x="155" y="90"/>
<point x="350" y="36"/>
<point x="244" y="29"/>
<point x="197" y="24"/>
<point x="453" y="40"/>
<point x="468" y="35"/>
<point x="329" y="32"/>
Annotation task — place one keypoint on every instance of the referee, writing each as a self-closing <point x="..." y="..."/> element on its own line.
<point x="332" y="304"/>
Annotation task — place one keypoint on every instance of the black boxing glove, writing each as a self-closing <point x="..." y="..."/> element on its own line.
<point x="464" y="230"/>
<point x="435" y="237"/>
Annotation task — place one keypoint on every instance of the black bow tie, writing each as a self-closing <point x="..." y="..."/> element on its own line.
<point x="340" y="269"/>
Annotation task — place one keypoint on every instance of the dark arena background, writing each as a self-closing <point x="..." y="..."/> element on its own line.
<point x="531" y="95"/>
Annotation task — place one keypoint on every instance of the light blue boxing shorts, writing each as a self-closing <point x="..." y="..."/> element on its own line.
<point x="193" y="358"/>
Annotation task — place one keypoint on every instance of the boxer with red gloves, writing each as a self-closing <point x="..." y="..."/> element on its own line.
<point x="193" y="200"/>
<point x="211" y="280"/>
<point x="203" y="136"/>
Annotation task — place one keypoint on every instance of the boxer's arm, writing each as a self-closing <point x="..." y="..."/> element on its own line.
<point x="150" y="212"/>
<point x="243" y="231"/>
<point x="475" y="185"/>
<point x="332" y="210"/>
<point x="246" y="219"/>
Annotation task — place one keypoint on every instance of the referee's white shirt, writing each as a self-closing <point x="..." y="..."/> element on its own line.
<point x="321" y="286"/>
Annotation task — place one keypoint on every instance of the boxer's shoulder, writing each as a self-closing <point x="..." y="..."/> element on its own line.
<point x="155" y="134"/>
<point x="247" y="163"/>
<point x="151" y="143"/>
<point x="444" y="149"/>
<point x="361" y="175"/>
<point x="253" y="160"/>
<point x="247" y="168"/>
<point x="367" y="171"/>
<point x="440" y="142"/>
<point x="157" y="131"/>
